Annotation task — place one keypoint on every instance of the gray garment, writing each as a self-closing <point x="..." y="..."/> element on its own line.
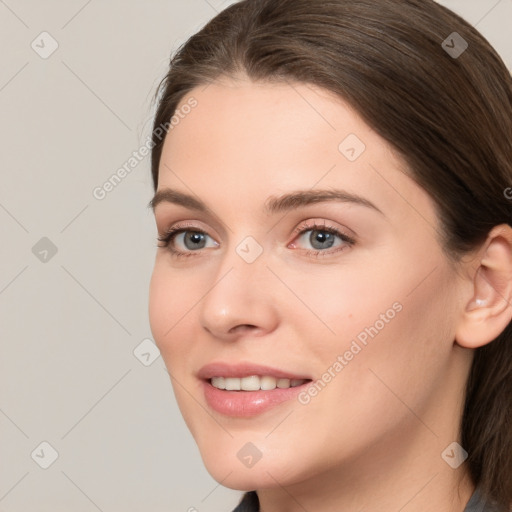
<point x="477" y="503"/>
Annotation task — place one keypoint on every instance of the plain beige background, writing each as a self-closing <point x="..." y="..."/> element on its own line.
<point x="78" y="370"/>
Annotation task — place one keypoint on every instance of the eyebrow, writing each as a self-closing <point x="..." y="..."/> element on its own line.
<point x="273" y="205"/>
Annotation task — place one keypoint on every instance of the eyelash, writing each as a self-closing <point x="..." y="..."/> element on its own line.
<point x="172" y="233"/>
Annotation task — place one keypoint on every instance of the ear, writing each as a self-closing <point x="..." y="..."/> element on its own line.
<point x="489" y="310"/>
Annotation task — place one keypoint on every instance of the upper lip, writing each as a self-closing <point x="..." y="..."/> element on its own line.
<point x="240" y="370"/>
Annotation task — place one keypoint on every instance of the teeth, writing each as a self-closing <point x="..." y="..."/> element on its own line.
<point x="254" y="383"/>
<point x="268" y="383"/>
<point x="250" y="383"/>
<point x="232" y="384"/>
<point x="219" y="382"/>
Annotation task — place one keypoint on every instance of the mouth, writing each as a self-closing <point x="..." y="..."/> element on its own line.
<point x="246" y="390"/>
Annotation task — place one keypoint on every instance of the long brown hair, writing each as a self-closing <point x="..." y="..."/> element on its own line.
<point x="446" y="111"/>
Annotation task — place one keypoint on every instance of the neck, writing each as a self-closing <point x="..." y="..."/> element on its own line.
<point x="393" y="475"/>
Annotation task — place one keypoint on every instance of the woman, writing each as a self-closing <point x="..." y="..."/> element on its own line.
<point x="332" y="292"/>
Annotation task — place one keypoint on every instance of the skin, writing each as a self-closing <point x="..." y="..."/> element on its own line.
<point x="372" y="439"/>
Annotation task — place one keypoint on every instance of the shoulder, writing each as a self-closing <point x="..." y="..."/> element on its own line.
<point x="478" y="503"/>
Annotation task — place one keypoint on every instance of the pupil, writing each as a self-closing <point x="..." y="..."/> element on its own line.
<point x="195" y="238"/>
<point x="325" y="239"/>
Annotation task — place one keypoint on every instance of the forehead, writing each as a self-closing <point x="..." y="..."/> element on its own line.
<point x="273" y="119"/>
<point x="261" y="139"/>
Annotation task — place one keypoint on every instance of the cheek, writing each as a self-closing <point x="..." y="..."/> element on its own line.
<point x="400" y="361"/>
<point x="169" y="302"/>
<point x="340" y="307"/>
<point x="171" y="320"/>
<point x="390" y="322"/>
<point x="159" y="304"/>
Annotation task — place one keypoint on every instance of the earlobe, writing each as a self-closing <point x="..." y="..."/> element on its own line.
<point x="489" y="310"/>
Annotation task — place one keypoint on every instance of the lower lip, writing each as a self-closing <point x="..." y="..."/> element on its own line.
<point x="244" y="404"/>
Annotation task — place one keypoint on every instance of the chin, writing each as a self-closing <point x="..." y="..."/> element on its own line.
<point x="233" y="468"/>
<point x="243" y="479"/>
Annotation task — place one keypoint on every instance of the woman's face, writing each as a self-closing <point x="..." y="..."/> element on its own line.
<point x="350" y="292"/>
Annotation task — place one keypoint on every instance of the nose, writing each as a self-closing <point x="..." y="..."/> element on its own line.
<point x="239" y="299"/>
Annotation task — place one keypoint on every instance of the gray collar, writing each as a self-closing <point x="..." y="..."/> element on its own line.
<point x="477" y="503"/>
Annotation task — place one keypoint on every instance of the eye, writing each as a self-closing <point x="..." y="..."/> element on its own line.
<point x="184" y="241"/>
<point x="321" y="238"/>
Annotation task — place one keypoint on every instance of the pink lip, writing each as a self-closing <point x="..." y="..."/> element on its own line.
<point x="243" y="404"/>
<point x="221" y="369"/>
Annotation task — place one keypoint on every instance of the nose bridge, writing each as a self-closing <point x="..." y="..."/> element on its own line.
<point x="237" y="295"/>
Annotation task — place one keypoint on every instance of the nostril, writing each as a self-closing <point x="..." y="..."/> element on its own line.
<point x="242" y="328"/>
